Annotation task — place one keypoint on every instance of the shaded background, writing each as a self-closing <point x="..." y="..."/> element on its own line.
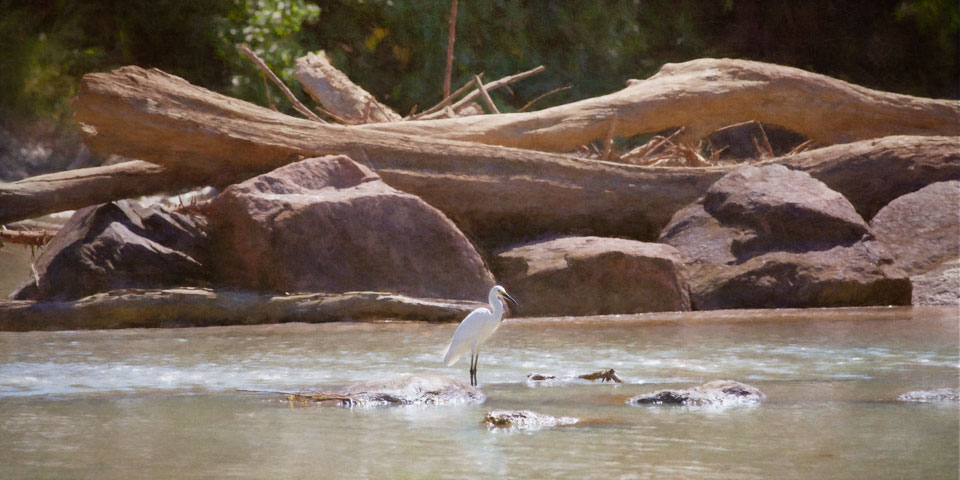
<point x="396" y="49"/>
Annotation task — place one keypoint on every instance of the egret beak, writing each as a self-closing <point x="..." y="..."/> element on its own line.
<point x="508" y="297"/>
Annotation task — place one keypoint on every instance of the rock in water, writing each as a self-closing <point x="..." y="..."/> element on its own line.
<point x="331" y="225"/>
<point x="594" y="276"/>
<point x="717" y="393"/>
<point x="940" y="395"/>
<point x="410" y="389"/>
<point x="769" y="237"/>
<point x="524" y="420"/>
<point x="120" y="245"/>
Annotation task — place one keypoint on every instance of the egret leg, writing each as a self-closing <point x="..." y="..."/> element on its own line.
<point x="473" y="368"/>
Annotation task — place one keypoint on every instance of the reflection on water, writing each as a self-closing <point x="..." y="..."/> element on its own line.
<point x="162" y="403"/>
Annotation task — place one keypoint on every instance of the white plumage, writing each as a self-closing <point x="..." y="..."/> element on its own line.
<point x="475" y="329"/>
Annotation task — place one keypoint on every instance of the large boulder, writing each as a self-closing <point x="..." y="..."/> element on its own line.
<point x="593" y="275"/>
<point x="921" y="230"/>
<point x="120" y="245"/>
<point x="331" y="225"/>
<point x="767" y="237"/>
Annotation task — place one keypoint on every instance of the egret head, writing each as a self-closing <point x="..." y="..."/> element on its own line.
<point x="502" y="293"/>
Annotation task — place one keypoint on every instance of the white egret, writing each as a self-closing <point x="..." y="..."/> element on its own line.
<point x="475" y="329"/>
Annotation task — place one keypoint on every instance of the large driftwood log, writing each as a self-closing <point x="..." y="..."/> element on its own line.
<point x="338" y="94"/>
<point x="494" y="193"/>
<point x="704" y="95"/>
<point x="72" y="189"/>
<point x="196" y="307"/>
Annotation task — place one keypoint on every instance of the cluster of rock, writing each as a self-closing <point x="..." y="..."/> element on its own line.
<point x="760" y="237"/>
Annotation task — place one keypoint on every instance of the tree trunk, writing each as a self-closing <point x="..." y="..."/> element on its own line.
<point x="704" y="95"/>
<point x="338" y="95"/>
<point x="196" y="307"/>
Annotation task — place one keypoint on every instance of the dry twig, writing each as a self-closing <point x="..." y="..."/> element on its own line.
<point x="484" y="95"/>
<point x="297" y="105"/>
<point x="451" y="37"/>
<point x="545" y="95"/>
<point x="446" y="101"/>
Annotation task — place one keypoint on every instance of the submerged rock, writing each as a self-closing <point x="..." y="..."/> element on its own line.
<point x="524" y="420"/>
<point x="593" y="276"/>
<point x="769" y="237"/>
<point x="540" y="380"/>
<point x="940" y="395"/>
<point x="410" y="389"/>
<point x="332" y="225"/>
<point x="717" y="393"/>
<point x="120" y="245"/>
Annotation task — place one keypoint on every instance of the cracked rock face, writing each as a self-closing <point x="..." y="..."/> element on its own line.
<point x="769" y="237"/>
<point x="331" y="225"/>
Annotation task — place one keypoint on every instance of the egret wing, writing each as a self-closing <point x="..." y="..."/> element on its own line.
<point x="466" y="336"/>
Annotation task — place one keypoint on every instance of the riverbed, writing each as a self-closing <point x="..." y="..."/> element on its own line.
<point x="166" y="403"/>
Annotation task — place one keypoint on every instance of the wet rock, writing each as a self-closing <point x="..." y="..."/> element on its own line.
<point x="921" y="229"/>
<point x="331" y="225"/>
<point x="940" y="395"/>
<point x="593" y="275"/>
<point x="524" y="420"/>
<point x="410" y="389"/>
<point x="608" y="375"/>
<point x="120" y="245"/>
<point x="769" y="237"/>
<point x="717" y="393"/>
<point x="540" y="380"/>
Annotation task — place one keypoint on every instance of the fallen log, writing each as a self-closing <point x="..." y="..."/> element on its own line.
<point x="197" y="307"/>
<point x="492" y="192"/>
<point x="338" y="94"/>
<point x="704" y="95"/>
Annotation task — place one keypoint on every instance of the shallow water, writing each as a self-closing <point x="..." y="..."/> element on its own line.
<point x="163" y="403"/>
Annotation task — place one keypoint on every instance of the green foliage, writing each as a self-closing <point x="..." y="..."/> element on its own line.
<point x="272" y="29"/>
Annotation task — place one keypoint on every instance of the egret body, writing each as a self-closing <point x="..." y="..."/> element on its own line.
<point x="475" y="329"/>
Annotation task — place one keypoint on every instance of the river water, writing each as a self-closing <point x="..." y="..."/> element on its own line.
<point x="163" y="403"/>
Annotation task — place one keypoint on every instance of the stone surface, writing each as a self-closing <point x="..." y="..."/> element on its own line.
<point x="939" y="395"/>
<point x="940" y="286"/>
<point x="593" y="275"/>
<point x="717" y="393"/>
<point x="120" y="245"/>
<point x="410" y="389"/>
<point x="524" y="420"/>
<point x="769" y="237"/>
<point x="921" y="229"/>
<point x="330" y="225"/>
